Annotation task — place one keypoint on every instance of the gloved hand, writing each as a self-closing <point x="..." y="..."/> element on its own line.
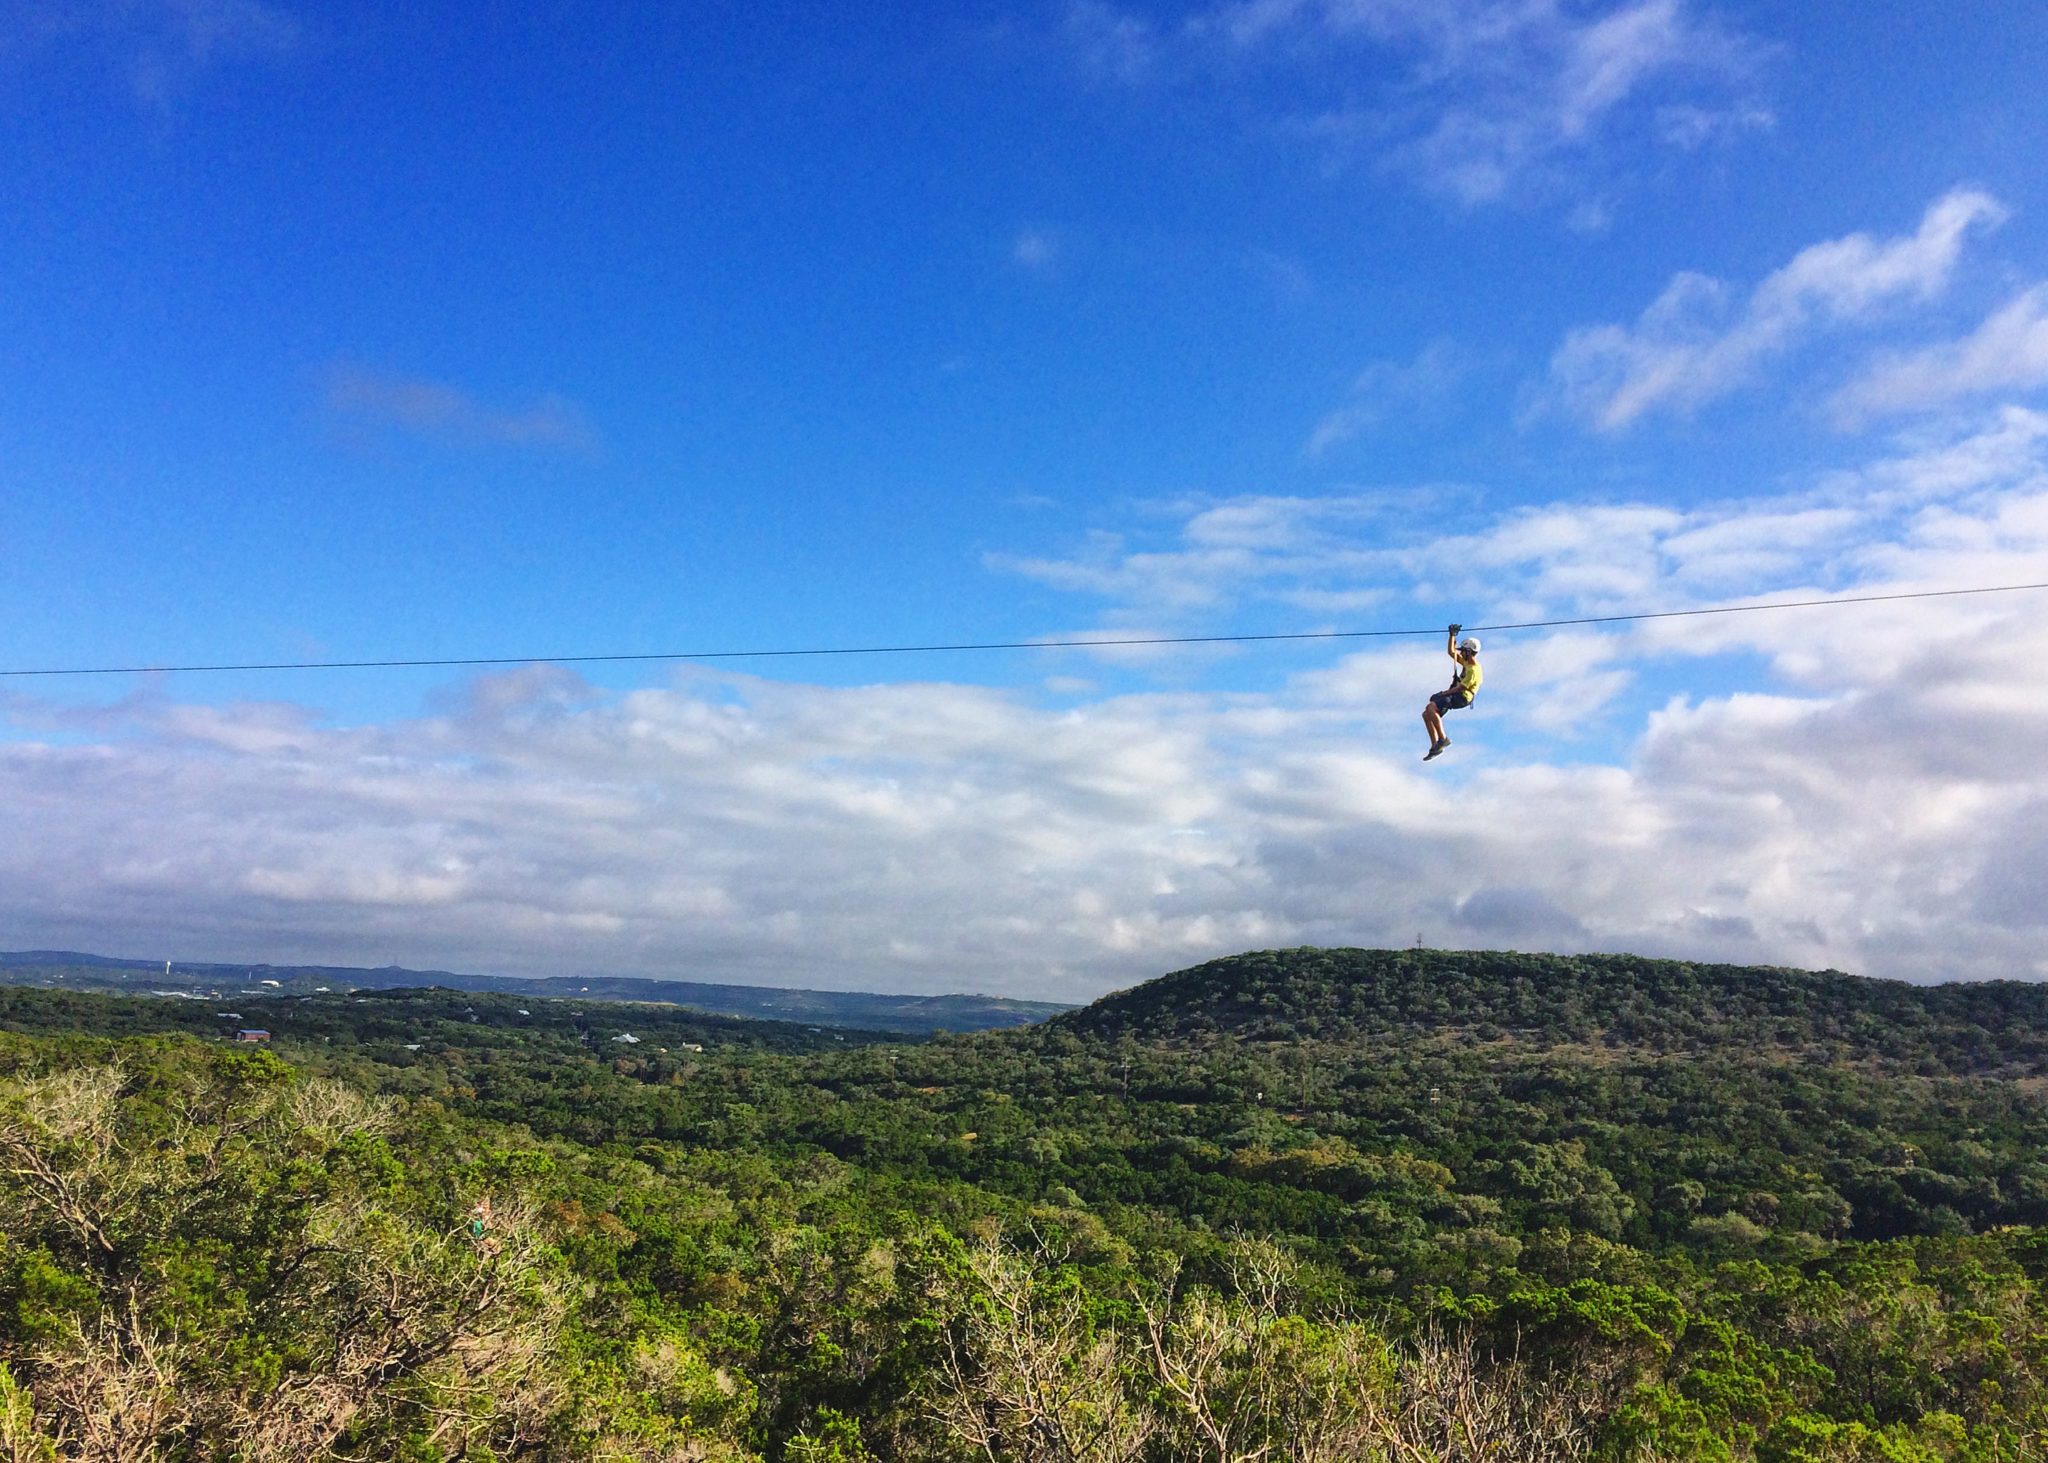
<point x="1454" y="631"/>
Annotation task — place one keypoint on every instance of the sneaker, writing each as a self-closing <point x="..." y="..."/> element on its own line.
<point x="1442" y="744"/>
<point x="1434" y="751"/>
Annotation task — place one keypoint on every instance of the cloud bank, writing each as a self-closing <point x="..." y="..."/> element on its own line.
<point x="1864" y="792"/>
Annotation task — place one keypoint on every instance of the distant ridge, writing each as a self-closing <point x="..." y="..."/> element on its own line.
<point x="1622" y="1001"/>
<point x="864" y="1010"/>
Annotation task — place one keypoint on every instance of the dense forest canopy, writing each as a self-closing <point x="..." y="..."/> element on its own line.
<point x="1614" y="1000"/>
<point x="1299" y="1204"/>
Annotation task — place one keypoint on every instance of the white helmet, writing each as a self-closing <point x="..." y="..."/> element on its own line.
<point x="1471" y="643"/>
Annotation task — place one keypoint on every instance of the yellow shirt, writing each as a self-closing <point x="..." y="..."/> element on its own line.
<point x="1468" y="677"/>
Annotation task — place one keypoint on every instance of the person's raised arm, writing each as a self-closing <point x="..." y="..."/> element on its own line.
<point x="1451" y="642"/>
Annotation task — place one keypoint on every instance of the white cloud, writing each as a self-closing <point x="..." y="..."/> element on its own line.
<point x="206" y="28"/>
<point x="1345" y="554"/>
<point x="162" y="46"/>
<point x="1423" y="386"/>
<point x="1532" y="83"/>
<point x="1475" y="98"/>
<point x="1286" y="276"/>
<point x="2004" y="450"/>
<point x="1034" y="249"/>
<point x="2008" y="352"/>
<point x="1219" y="549"/>
<point x="1122" y="47"/>
<point x="1689" y="127"/>
<point x="438" y="410"/>
<point x="1693" y="344"/>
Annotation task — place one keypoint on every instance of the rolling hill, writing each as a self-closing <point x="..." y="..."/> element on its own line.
<point x="1619" y="1002"/>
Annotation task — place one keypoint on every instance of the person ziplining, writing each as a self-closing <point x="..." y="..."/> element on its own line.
<point x="1460" y="693"/>
<point x="1464" y="686"/>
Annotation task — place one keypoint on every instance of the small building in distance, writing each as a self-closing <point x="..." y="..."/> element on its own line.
<point x="252" y="1033"/>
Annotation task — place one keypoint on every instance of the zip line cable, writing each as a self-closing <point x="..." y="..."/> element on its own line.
<point x="355" y="665"/>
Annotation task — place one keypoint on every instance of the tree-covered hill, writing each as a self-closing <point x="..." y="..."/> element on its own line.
<point x="1615" y="1001"/>
<point x="1325" y="1206"/>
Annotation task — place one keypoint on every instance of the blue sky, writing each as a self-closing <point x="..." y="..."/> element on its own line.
<point x="336" y="334"/>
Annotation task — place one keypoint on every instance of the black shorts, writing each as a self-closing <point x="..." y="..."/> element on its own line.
<point x="1451" y="700"/>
